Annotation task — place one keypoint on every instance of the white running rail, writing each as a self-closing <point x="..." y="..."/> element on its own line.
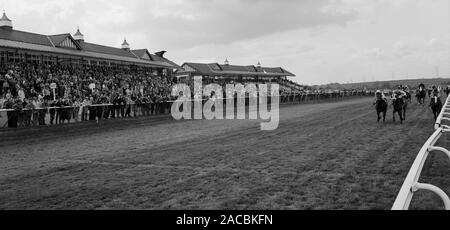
<point x="411" y="183"/>
<point x="444" y="116"/>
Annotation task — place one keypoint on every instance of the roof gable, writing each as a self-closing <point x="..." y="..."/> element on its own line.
<point x="64" y="41"/>
<point x="215" y="67"/>
<point x="146" y="56"/>
<point x="188" y="68"/>
<point x="143" y="54"/>
<point x="163" y="59"/>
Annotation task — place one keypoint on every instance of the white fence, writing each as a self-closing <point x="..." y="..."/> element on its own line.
<point x="411" y="183"/>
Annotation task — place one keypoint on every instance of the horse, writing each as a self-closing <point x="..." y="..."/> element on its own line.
<point x="408" y="96"/>
<point x="436" y="106"/>
<point x="420" y="95"/>
<point x="399" y="107"/>
<point x="381" y="107"/>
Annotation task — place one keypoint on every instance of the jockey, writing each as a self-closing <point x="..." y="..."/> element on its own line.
<point x="421" y="86"/>
<point x="399" y="93"/>
<point x="380" y="94"/>
<point x="435" y="92"/>
<point x="406" y="88"/>
<point x="435" y="95"/>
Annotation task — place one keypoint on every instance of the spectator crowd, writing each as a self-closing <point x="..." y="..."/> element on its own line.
<point x="68" y="93"/>
<point x="37" y="94"/>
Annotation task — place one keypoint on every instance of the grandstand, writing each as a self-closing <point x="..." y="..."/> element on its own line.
<point x="233" y="73"/>
<point x="65" y="49"/>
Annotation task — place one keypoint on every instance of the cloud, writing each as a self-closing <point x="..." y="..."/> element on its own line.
<point x="318" y="40"/>
<point x="181" y="23"/>
<point x="198" y="22"/>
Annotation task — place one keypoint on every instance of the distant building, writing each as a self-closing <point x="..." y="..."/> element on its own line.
<point x="65" y="49"/>
<point x="232" y="72"/>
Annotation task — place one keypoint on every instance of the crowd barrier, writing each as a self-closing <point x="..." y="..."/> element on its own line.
<point x="71" y="114"/>
<point x="411" y="183"/>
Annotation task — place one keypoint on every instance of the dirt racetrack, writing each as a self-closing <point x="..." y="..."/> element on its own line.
<point x="322" y="156"/>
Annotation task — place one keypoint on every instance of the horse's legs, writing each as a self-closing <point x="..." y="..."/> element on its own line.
<point x="384" y="116"/>
<point x="378" y="115"/>
<point x="404" y="114"/>
<point x="436" y="113"/>
<point x="401" y="116"/>
<point x="393" y="116"/>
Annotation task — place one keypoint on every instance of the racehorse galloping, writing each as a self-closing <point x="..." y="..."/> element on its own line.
<point x="421" y="94"/>
<point x="436" y="105"/>
<point x="399" y="107"/>
<point x="381" y="105"/>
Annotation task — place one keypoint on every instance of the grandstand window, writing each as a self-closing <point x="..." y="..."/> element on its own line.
<point x="3" y="56"/>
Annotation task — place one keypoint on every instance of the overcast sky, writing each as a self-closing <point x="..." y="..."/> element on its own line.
<point x="321" y="41"/>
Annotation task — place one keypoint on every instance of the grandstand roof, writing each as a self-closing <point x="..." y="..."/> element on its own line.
<point x="163" y="59"/>
<point x="215" y="69"/>
<point x="91" y="47"/>
<point x="50" y="43"/>
<point x="51" y="49"/>
<point x="142" y="53"/>
<point x="25" y="37"/>
<point x="145" y="54"/>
